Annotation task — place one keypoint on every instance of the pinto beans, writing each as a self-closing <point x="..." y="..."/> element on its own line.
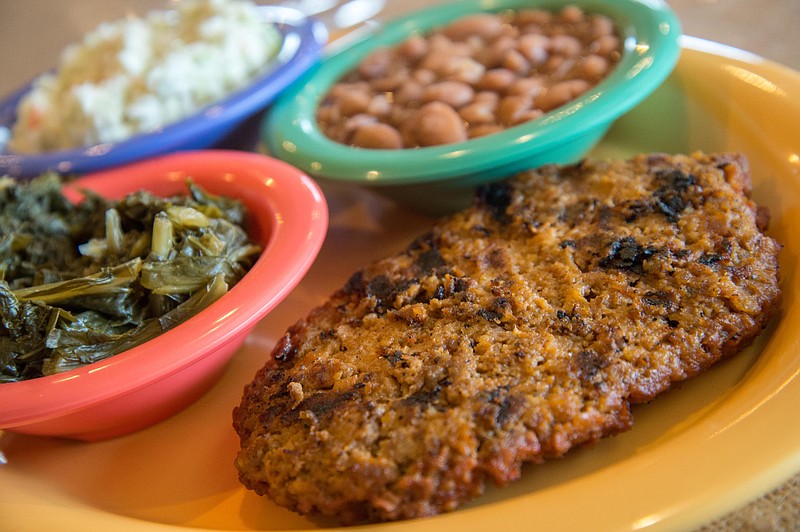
<point x="594" y="67"/>
<point x="497" y="79"/>
<point x="453" y="93"/>
<point x="483" y="25"/>
<point x="560" y="93"/>
<point x="534" y="46"/>
<point x="377" y="136"/>
<point x="477" y="76"/>
<point x="478" y="113"/>
<point x="438" y="123"/>
<point x="511" y="108"/>
<point x="353" y="101"/>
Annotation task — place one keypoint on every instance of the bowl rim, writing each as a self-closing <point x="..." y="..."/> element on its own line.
<point x="291" y="214"/>
<point x="650" y="31"/>
<point x="302" y="41"/>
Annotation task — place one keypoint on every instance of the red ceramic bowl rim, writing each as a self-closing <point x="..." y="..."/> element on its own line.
<point x="287" y="208"/>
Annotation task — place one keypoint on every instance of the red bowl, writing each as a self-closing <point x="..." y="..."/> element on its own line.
<point x="148" y="383"/>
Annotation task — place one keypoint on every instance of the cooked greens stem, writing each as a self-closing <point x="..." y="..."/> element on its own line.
<point x="187" y="217"/>
<point x="105" y="281"/>
<point x="244" y="252"/>
<point x="199" y="300"/>
<point x="114" y="235"/>
<point x="162" y="236"/>
<point x="140" y="246"/>
<point x="96" y="248"/>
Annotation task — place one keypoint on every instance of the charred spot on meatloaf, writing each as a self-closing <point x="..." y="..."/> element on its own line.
<point x="512" y="332"/>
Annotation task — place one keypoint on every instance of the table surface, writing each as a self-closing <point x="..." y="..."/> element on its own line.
<point x="33" y="33"/>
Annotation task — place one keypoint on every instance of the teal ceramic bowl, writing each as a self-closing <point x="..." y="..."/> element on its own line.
<point x="442" y="178"/>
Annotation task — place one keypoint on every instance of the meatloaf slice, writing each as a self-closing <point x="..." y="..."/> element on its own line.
<point x="511" y="332"/>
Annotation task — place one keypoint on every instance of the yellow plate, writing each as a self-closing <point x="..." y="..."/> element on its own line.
<point x="693" y="454"/>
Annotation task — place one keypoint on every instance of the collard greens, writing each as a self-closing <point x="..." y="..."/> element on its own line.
<point x="82" y="282"/>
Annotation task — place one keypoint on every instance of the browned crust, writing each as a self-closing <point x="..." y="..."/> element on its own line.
<point x="512" y="332"/>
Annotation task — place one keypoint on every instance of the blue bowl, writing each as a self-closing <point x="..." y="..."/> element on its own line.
<point x="213" y="126"/>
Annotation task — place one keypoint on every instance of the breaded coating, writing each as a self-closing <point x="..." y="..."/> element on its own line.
<point x="512" y="332"/>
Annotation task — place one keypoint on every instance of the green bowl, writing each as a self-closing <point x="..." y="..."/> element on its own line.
<point x="441" y="179"/>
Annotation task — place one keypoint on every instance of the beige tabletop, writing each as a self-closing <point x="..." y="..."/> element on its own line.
<point x="33" y="32"/>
